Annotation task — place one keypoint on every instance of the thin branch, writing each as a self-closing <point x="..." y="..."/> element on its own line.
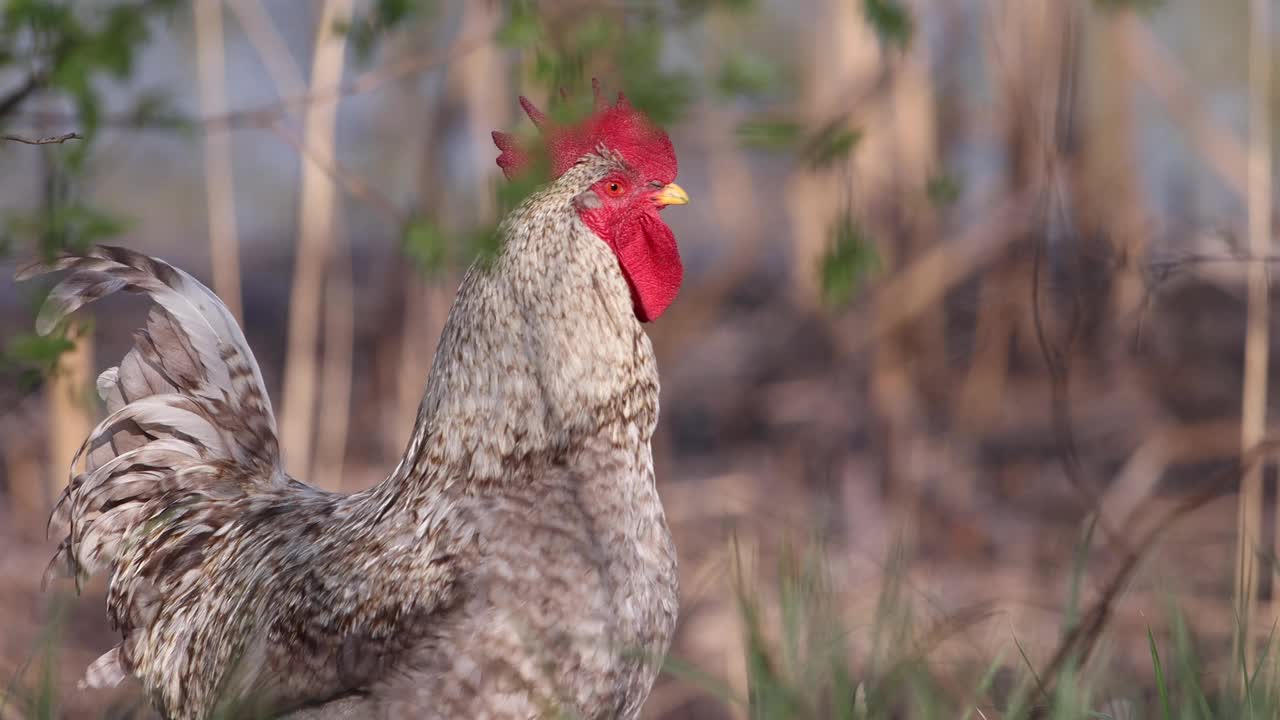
<point x="269" y="114"/>
<point x="10" y="102"/>
<point x="264" y="116"/>
<point x="270" y="46"/>
<point x="51" y="140"/>
<point x="350" y="180"/>
<point x="936" y="271"/>
<point x="122" y="121"/>
<point x="1218" y="147"/>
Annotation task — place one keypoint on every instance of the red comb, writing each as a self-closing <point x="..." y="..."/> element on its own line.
<point x="618" y="127"/>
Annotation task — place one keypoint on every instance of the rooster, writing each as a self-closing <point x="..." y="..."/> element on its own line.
<point x="516" y="563"/>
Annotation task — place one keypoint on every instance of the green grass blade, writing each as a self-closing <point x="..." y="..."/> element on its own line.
<point x="984" y="684"/>
<point x="1162" y="688"/>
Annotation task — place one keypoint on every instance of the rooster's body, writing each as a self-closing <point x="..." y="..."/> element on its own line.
<point x="515" y="564"/>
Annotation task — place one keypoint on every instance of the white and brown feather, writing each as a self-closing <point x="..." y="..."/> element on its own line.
<point x="516" y="562"/>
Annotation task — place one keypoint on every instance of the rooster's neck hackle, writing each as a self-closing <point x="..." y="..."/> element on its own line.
<point x="550" y="353"/>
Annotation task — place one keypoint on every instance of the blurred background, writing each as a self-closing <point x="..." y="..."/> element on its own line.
<point x="957" y="398"/>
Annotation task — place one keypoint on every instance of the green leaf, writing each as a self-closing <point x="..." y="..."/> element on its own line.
<point x="1141" y="6"/>
<point x="891" y="21"/>
<point x="661" y="95"/>
<point x="426" y="244"/>
<point x="698" y="7"/>
<point x="393" y="12"/>
<point x="943" y="189"/>
<point x="848" y="261"/>
<point x="156" y="109"/>
<point x="36" y="352"/>
<point x="747" y="74"/>
<point x="83" y="225"/>
<point x="593" y="34"/>
<point x="114" y="46"/>
<point x="366" y="31"/>
<point x="485" y="244"/>
<point x="769" y="134"/>
<point x="64" y="225"/>
<point x="523" y="27"/>
<point x="830" y="145"/>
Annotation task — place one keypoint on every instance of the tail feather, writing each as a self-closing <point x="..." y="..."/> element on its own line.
<point x="105" y="672"/>
<point x="108" y="390"/>
<point x="189" y="425"/>
<point x="195" y="313"/>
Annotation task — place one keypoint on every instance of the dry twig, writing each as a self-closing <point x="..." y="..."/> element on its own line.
<point x="51" y="140"/>
<point x="10" y="102"/>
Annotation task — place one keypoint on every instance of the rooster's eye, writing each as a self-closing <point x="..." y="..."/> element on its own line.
<point x="614" y="188"/>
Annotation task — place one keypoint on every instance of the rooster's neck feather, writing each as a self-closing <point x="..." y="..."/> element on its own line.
<point x="541" y="351"/>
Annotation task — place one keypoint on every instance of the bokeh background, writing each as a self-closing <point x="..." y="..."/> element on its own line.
<point x="975" y="307"/>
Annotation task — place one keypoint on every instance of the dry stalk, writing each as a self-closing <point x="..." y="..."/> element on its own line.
<point x="68" y="391"/>
<point x="339" y="341"/>
<point x="1253" y="411"/>
<point x="1106" y="187"/>
<point x="315" y="239"/>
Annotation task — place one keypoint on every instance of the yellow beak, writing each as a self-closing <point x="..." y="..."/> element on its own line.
<point x="671" y="194"/>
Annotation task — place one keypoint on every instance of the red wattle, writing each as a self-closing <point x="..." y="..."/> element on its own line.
<point x="650" y="260"/>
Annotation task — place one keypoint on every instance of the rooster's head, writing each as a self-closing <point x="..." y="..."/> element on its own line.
<point x="621" y="208"/>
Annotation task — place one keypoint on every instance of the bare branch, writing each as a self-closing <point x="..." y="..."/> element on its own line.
<point x="51" y="140"/>
<point x="1217" y="147"/>
<point x="351" y="181"/>
<point x="267" y="115"/>
<point x="10" y="102"/>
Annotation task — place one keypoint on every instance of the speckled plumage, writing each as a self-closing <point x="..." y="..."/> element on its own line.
<point x="515" y="564"/>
